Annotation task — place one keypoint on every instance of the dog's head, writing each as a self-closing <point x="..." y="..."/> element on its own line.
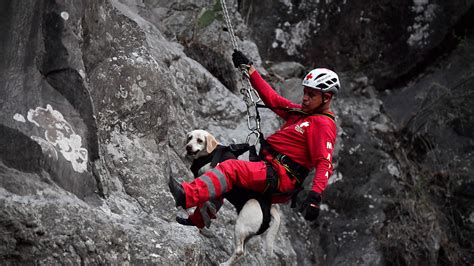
<point x="200" y="143"/>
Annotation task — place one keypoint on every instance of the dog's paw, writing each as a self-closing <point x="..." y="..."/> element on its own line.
<point x="239" y="252"/>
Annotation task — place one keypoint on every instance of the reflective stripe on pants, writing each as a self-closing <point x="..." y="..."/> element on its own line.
<point x="212" y="184"/>
<point x="205" y="212"/>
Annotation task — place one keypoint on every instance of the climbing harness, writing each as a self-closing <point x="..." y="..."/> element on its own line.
<point x="251" y="97"/>
<point x="295" y="111"/>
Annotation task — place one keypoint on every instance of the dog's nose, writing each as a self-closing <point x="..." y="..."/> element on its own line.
<point x="189" y="148"/>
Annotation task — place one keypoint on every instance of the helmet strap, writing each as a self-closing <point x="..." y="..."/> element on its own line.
<point x="323" y="102"/>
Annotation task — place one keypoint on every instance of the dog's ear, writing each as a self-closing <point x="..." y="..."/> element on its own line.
<point x="211" y="143"/>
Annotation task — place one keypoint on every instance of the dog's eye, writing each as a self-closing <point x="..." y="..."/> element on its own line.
<point x="190" y="137"/>
<point x="199" y="140"/>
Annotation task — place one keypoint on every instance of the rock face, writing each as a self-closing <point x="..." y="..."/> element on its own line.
<point x="97" y="97"/>
<point x="385" y="39"/>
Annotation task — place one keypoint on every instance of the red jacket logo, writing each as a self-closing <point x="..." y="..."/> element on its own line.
<point x="300" y="127"/>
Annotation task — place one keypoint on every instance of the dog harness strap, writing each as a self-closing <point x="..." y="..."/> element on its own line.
<point x="200" y="162"/>
<point x="265" y="205"/>
<point x="239" y="149"/>
<point x="222" y="153"/>
<point x="272" y="179"/>
<point x="218" y="153"/>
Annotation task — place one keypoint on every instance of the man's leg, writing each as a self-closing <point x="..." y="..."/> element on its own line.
<point x="217" y="181"/>
<point x="205" y="212"/>
<point x="202" y="215"/>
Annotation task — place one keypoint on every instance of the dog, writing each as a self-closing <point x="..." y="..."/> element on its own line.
<point x="200" y="144"/>
<point x="256" y="215"/>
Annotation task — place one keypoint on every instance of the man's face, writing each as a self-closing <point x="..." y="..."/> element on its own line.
<point x="311" y="100"/>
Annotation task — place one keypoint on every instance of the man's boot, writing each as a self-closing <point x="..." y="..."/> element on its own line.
<point x="184" y="221"/>
<point x="177" y="191"/>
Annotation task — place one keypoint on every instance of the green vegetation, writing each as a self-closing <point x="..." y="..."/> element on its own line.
<point x="207" y="16"/>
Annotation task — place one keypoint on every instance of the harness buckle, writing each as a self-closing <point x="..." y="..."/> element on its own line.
<point x="293" y="170"/>
<point x="280" y="158"/>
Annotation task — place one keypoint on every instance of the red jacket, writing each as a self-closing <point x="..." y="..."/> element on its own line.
<point x="307" y="140"/>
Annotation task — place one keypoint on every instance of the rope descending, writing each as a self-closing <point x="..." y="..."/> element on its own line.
<point x="251" y="96"/>
<point x="233" y="40"/>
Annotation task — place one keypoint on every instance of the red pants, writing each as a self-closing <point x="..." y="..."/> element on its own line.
<point x="205" y="212"/>
<point x="217" y="181"/>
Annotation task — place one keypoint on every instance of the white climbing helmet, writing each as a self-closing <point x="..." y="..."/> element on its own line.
<point x="322" y="79"/>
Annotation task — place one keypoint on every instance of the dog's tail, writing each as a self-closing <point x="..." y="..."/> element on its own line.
<point x="272" y="230"/>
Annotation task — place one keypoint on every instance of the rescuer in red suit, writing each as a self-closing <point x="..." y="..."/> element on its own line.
<point x="305" y="141"/>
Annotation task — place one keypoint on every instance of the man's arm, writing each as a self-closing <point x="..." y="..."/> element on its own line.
<point x="268" y="95"/>
<point x="266" y="92"/>
<point x="321" y="142"/>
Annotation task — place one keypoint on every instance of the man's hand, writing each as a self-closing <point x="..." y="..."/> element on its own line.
<point x="310" y="207"/>
<point x="238" y="58"/>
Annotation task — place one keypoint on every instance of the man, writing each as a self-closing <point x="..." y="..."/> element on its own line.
<point x="305" y="141"/>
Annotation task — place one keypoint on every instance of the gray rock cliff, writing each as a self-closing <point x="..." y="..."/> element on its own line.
<point x="96" y="98"/>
